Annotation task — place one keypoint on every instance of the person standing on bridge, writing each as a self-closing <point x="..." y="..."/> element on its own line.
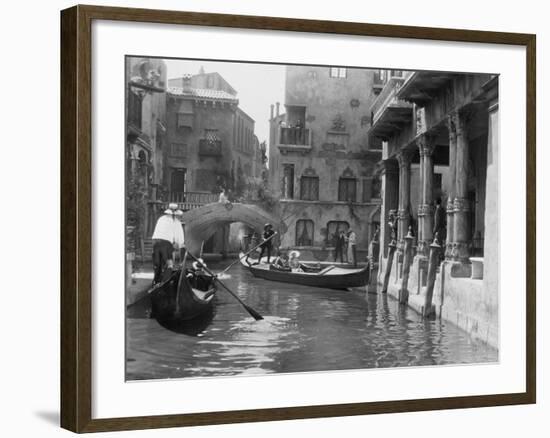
<point x="223" y="199"/>
<point x="167" y="237"/>
<point x="267" y="243"/>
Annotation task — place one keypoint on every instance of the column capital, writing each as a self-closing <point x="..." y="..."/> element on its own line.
<point x="426" y="144"/>
<point x="452" y="123"/>
<point x="462" y="118"/>
<point x="404" y="158"/>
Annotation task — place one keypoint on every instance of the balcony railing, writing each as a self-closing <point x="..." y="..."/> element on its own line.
<point x="293" y="139"/>
<point x="388" y="97"/>
<point x="294" y="136"/>
<point x="191" y="200"/>
<point x="210" y="148"/>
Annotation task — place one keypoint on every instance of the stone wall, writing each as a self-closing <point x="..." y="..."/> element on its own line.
<point x="361" y="218"/>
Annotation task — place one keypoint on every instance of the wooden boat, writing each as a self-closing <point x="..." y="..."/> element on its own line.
<point x="331" y="276"/>
<point x="176" y="299"/>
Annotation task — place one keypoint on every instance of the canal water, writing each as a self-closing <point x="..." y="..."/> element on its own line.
<point x="305" y="329"/>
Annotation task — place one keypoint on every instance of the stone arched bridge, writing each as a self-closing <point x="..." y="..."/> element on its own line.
<point x="203" y="222"/>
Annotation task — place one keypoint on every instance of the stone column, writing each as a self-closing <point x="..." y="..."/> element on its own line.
<point x="451" y="126"/>
<point x="390" y="195"/>
<point x="461" y="225"/>
<point x="420" y="217"/>
<point x="404" y="159"/>
<point x="426" y="146"/>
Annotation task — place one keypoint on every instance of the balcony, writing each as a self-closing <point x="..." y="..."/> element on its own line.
<point x="389" y="113"/>
<point x="293" y="140"/>
<point x="210" y="148"/>
<point x="421" y="87"/>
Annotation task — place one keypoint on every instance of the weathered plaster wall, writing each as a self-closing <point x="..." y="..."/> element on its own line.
<point x="358" y="217"/>
<point x="327" y="98"/>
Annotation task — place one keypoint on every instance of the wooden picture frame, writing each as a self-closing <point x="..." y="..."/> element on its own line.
<point x="76" y="217"/>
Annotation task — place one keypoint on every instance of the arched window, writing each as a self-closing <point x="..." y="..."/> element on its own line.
<point x="304" y="232"/>
<point x="333" y="230"/>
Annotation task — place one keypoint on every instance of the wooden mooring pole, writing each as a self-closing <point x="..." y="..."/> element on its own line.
<point x="433" y="262"/>
<point x="407" y="259"/>
<point x="392" y="246"/>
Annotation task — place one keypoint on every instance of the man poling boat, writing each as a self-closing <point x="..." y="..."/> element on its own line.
<point x="167" y="237"/>
<point x="222" y="275"/>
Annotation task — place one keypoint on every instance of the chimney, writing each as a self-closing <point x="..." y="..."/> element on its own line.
<point x="278" y="106"/>
<point x="271" y="113"/>
<point x="186" y="83"/>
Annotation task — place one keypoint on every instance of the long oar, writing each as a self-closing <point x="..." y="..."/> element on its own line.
<point x="244" y="255"/>
<point x="249" y="309"/>
<point x="182" y="274"/>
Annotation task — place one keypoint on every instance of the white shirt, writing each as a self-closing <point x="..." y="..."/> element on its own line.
<point x="169" y="228"/>
<point x="223" y="198"/>
<point x="352" y="238"/>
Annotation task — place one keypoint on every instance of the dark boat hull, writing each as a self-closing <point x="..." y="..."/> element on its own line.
<point x="177" y="300"/>
<point x="324" y="279"/>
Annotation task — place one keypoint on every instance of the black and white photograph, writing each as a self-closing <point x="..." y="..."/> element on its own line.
<point x="307" y="218"/>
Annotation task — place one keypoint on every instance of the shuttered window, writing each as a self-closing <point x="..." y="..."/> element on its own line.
<point x="309" y="188"/>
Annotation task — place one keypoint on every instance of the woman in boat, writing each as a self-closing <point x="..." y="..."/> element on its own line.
<point x="197" y="276"/>
<point x="281" y="262"/>
<point x="294" y="261"/>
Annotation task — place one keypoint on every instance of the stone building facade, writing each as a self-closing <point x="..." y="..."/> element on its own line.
<point x="440" y="134"/>
<point x="210" y="145"/>
<point x="321" y="162"/>
<point x="145" y="143"/>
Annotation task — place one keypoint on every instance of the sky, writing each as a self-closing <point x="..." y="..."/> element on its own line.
<point x="258" y="85"/>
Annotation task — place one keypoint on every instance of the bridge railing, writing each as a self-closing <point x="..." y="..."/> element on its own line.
<point x="190" y="200"/>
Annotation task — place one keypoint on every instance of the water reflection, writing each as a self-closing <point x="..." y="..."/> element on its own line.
<point x="305" y="329"/>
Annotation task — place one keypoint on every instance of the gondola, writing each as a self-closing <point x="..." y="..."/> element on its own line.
<point x="176" y="299"/>
<point x="329" y="276"/>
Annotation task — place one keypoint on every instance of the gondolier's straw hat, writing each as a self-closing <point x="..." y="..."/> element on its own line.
<point x="173" y="206"/>
<point x="200" y="262"/>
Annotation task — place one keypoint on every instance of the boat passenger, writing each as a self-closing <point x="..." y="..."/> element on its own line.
<point x="281" y="262"/>
<point x="197" y="276"/>
<point x="167" y="236"/>
<point x="294" y="261"/>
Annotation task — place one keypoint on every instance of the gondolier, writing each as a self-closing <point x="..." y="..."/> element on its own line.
<point x="167" y="237"/>
<point x="267" y="244"/>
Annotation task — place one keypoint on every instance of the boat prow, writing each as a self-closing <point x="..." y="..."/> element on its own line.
<point x="177" y="299"/>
